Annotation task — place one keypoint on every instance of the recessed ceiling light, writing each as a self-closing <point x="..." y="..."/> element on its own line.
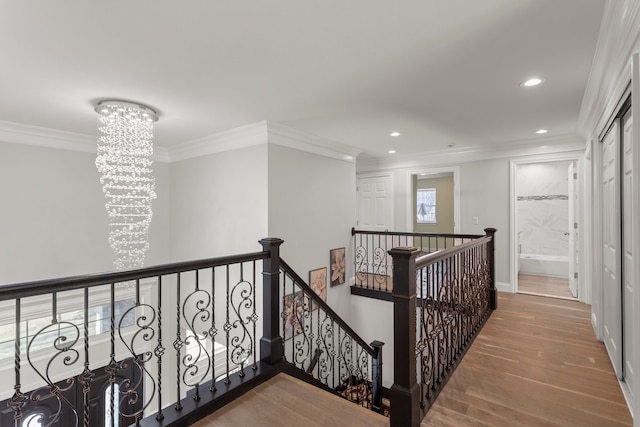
<point x="541" y="131"/>
<point x="395" y="134"/>
<point x="534" y="81"/>
<point x="391" y="151"/>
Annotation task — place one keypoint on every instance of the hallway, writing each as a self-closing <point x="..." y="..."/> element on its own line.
<point x="536" y="362"/>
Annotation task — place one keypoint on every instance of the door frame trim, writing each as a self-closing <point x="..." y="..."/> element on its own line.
<point x="431" y="170"/>
<point x="577" y="157"/>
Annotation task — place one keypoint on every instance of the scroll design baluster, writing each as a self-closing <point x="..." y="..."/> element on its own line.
<point x="65" y="336"/>
<point x="143" y="318"/>
<point x="327" y="357"/>
<point x="196" y="314"/>
<point x="242" y="302"/>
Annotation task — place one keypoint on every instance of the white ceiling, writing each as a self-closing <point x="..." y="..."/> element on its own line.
<point x="352" y="71"/>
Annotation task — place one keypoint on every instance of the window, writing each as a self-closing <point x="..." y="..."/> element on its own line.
<point x="426" y="205"/>
<point x="99" y="323"/>
<point x="111" y="392"/>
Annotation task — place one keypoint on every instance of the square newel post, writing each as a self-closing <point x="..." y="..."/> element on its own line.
<point x="376" y="375"/>
<point x="271" y="347"/>
<point x="493" y="294"/>
<point x="405" y="393"/>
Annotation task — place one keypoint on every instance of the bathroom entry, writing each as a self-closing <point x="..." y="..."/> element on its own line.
<point x="546" y="228"/>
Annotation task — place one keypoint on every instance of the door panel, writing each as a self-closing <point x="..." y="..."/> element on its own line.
<point x="374" y="203"/>
<point x="612" y="298"/>
<point x="629" y="328"/>
<point x="573" y="234"/>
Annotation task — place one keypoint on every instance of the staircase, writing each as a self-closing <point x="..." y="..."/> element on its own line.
<point x="284" y="401"/>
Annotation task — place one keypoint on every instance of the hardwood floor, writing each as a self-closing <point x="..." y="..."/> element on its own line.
<point x="543" y="285"/>
<point x="285" y="401"/>
<point x="536" y="362"/>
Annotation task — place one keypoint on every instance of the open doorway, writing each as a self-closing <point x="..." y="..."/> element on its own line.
<point x="433" y="203"/>
<point x="546" y="228"/>
<point x="440" y="186"/>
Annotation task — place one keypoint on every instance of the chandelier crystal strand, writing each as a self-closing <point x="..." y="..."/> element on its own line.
<point x="125" y="148"/>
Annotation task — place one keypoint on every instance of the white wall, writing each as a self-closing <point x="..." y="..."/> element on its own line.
<point x="312" y="207"/>
<point x="53" y="222"/>
<point x="484" y="193"/>
<point x="543" y="208"/>
<point x="219" y="204"/>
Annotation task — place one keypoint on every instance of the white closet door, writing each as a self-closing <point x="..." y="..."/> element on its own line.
<point x="627" y="261"/>
<point x="611" y="280"/>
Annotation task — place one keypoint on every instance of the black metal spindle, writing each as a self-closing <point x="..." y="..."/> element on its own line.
<point x="213" y="331"/>
<point x="227" y="329"/>
<point x="254" y="318"/>
<point x="159" y="351"/>
<point x="87" y="376"/>
<point x="178" y="344"/>
<point x="112" y="367"/>
<point x="18" y="400"/>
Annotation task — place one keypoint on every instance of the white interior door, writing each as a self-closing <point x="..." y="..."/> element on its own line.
<point x="375" y="203"/>
<point x="629" y="327"/>
<point x="573" y="232"/>
<point x="611" y="284"/>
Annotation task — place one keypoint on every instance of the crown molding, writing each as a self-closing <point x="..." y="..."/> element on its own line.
<point x="287" y="136"/>
<point x="264" y="132"/>
<point x="18" y="133"/>
<point x="530" y="147"/>
<point x="611" y="67"/>
<point x="233" y="139"/>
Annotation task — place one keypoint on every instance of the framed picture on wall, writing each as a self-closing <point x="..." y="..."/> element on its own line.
<point x="318" y="282"/>
<point x="336" y="259"/>
<point x="295" y="307"/>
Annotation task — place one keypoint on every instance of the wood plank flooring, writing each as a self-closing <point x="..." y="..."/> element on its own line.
<point x="543" y="285"/>
<point x="285" y="401"/>
<point x="536" y="362"/>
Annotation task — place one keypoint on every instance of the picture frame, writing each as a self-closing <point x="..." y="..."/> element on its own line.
<point x="293" y="313"/>
<point x="318" y="282"/>
<point x="337" y="263"/>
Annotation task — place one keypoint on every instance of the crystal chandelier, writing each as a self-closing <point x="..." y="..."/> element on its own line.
<point x="125" y="148"/>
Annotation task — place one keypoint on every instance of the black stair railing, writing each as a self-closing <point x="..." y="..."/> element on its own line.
<point x="373" y="264"/>
<point x="441" y="300"/>
<point x="318" y="342"/>
<point x="166" y="345"/>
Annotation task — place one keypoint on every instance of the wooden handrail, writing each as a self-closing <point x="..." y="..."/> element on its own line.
<point x="28" y="289"/>
<point x="409" y="234"/>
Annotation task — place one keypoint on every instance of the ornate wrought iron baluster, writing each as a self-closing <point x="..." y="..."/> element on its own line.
<point x="227" y="329"/>
<point x="254" y="319"/>
<point x="213" y="331"/>
<point x="112" y="367"/>
<point x="87" y="375"/>
<point x="64" y="353"/>
<point x="18" y="400"/>
<point x="197" y="302"/>
<point x="138" y="346"/>
<point x="159" y="350"/>
<point x="178" y="344"/>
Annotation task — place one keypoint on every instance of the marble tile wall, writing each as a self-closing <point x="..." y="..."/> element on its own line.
<point x="543" y="208"/>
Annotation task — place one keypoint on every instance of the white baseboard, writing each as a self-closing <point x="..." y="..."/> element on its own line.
<point x="505" y="287"/>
